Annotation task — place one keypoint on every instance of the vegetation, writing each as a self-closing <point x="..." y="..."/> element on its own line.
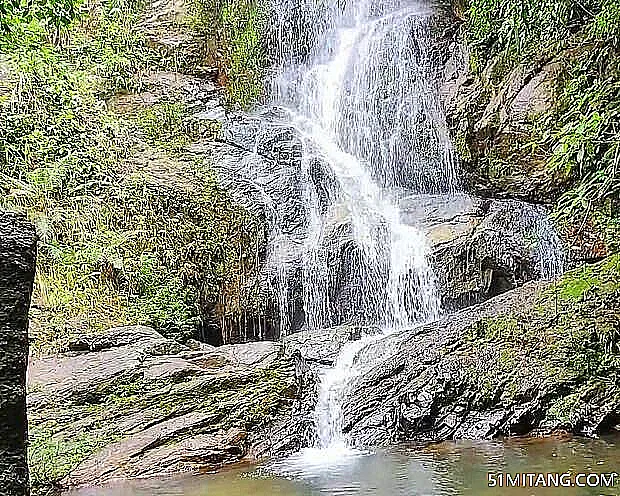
<point x="130" y="231"/>
<point x="51" y="459"/>
<point x="239" y="26"/>
<point x="580" y="137"/>
<point x="571" y="339"/>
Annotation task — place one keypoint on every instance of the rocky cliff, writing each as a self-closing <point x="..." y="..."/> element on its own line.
<point x="130" y="403"/>
<point x="531" y="97"/>
<point x="17" y="265"/>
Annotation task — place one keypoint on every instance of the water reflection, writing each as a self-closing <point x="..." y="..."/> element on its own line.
<point x="454" y="468"/>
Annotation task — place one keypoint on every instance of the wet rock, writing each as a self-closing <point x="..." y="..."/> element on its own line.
<point x="17" y="265"/>
<point x="195" y="345"/>
<point x="418" y="386"/>
<point x="323" y="346"/>
<point x="482" y="248"/>
<point x="258" y="160"/>
<point x="504" y="367"/>
<point x="135" y="404"/>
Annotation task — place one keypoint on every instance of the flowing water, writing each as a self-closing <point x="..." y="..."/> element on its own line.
<point x="446" y="469"/>
<point x="363" y="97"/>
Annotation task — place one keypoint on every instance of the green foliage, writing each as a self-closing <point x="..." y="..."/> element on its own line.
<point x="581" y="133"/>
<point x="51" y="458"/>
<point x="165" y="126"/>
<point x="244" y="23"/>
<point x="587" y="140"/>
<point x="518" y="30"/>
<point x="108" y="46"/>
<point x="130" y="233"/>
<point x="25" y="23"/>
<point x="570" y="338"/>
<point x="239" y="27"/>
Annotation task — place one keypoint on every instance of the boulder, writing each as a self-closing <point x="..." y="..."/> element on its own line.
<point x="130" y="403"/>
<point x="519" y="363"/>
<point x="481" y="248"/>
<point x="17" y="266"/>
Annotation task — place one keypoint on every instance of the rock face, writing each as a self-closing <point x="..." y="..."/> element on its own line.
<point x="131" y="403"/>
<point x="492" y="119"/>
<point x="258" y="160"/>
<point x="518" y="363"/>
<point x="482" y="248"/>
<point x="17" y="266"/>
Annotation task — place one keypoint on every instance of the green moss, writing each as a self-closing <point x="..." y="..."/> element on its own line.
<point x="52" y="458"/>
<point x="244" y="401"/>
<point x="570" y="339"/>
<point x="164" y="126"/>
<point x="496" y="329"/>
<point x="576" y="143"/>
<point x="564" y="410"/>
<point x="462" y="146"/>
<point x="585" y="282"/>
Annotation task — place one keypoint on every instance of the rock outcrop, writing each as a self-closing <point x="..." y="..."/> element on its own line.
<point x="514" y="126"/>
<point x="538" y="358"/>
<point x="482" y="248"/>
<point x="17" y="266"/>
<point x="130" y="403"/>
<point x="492" y="119"/>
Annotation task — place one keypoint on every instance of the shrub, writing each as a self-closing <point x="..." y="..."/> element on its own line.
<point x="125" y="236"/>
<point x="581" y="133"/>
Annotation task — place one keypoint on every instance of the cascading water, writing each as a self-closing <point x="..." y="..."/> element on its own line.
<point x="364" y="100"/>
<point x="356" y="83"/>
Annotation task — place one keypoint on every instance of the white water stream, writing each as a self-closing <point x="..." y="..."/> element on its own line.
<point x="363" y="97"/>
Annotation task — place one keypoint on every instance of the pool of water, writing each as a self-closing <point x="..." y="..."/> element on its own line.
<point x="451" y="468"/>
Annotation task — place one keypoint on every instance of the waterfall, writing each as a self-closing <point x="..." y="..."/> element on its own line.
<point x="352" y="132"/>
<point x="363" y="97"/>
<point x="358" y="82"/>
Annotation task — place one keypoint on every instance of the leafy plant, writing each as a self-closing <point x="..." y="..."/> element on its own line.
<point x="126" y="237"/>
<point x="580" y="136"/>
<point x="239" y="26"/>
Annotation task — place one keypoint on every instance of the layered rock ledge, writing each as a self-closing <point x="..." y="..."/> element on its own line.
<point x="130" y="403"/>
<point x="541" y="358"/>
